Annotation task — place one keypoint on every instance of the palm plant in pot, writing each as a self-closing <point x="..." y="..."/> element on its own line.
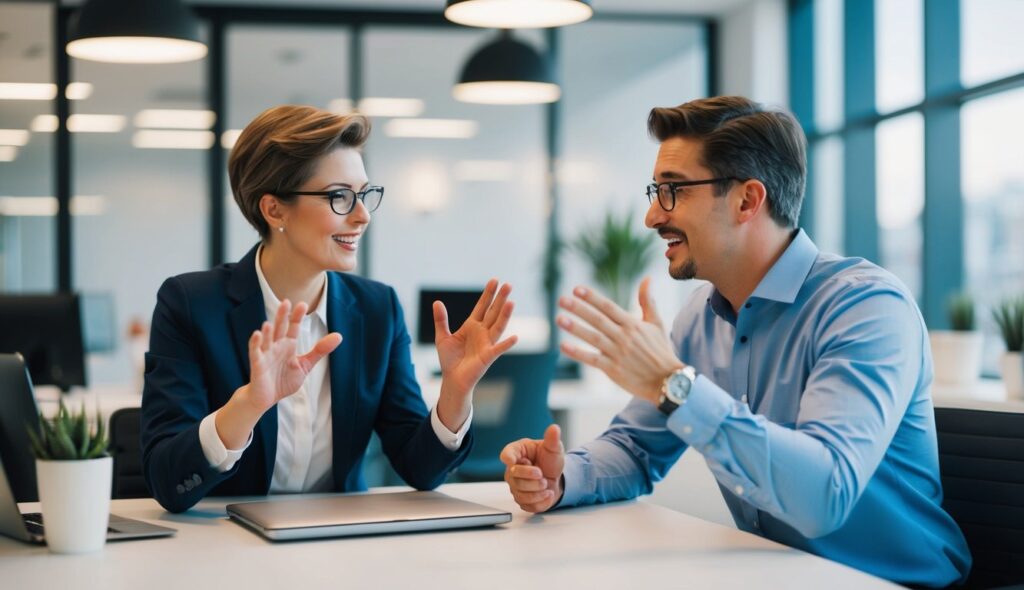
<point x="957" y="352"/>
<point x="618" y="253"/>
<point x="73" y="472"/>
<point x="1009" y="316"/>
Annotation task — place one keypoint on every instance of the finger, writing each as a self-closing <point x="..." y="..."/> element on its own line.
<point x="525" y="472"/>
<point x="529" y="485"/>
<point x="497" y="306"/>
<point x="484" y="301"/>
<point x="515" y="452"/>
<point x="528" y="498"/>
<point x="553" y="439"/>
<point x="440" y="321"/>
<point x="254" y="348"/>
<point x="647" y="305"/>
<point x="322" y="348"/>
<point x="591" y="315"/>
<point x="590" y="358"/>
<point x="499" y="327"/>
<point x="602" y="304"/>
<point x="281" y="318"/>
<point x="266" y="339"/>
<point x="500" y="348"/>
<point x="591" y="337"/>
<point x="295" y="319"/>
<point x="540" y="507"/>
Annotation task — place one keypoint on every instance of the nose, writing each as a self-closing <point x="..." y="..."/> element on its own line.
<point x="359" y="215"/>
<point x="656" y="216"/>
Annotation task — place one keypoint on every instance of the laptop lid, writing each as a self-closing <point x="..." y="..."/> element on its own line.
<point x="363" y="514"/>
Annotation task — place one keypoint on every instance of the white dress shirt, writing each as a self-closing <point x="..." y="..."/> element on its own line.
<point x="304" y="457"/>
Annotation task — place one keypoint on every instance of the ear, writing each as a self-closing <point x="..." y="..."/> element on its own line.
<point x="753" y="197"/>
<point x="273" y="210"/>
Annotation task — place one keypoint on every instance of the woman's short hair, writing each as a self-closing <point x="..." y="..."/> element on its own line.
<point x="743" y="139"/>
<point x="278" y="152"/>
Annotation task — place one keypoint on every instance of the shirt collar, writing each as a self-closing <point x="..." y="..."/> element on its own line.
<point x="787" y="275"/>
<point x="271" y="302"/>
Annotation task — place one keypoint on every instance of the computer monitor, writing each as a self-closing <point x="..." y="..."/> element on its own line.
<point x="47" y="331"/>
<point x="459" y="303"/>
<point x="18" y="412"/>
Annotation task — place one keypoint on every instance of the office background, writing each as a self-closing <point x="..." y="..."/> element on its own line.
<point x="912" y="107"/>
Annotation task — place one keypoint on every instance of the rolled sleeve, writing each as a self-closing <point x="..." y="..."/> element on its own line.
<point x="220" y="457"/>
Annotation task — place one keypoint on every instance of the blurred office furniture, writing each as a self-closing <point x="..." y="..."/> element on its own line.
<point x="47" y="331"/>
<point x="99" y="328"/>
<point x="459" y="303"/>
<point x="126" y="449"/>
<point x="981" y="457"/>
<point x="509" y="403"/>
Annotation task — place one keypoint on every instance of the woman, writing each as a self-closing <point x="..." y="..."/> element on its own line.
<point x="234" y="404"/>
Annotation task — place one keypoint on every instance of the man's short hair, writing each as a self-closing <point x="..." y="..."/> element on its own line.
<point x="278" y="151"/>
<point x="743" y="139"/>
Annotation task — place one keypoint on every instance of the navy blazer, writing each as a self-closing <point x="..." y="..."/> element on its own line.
<point x="198" y="356"/>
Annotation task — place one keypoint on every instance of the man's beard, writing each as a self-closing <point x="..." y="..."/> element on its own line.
<point x="685" y="272"/>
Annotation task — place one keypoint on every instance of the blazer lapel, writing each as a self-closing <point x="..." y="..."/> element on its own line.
<point x="247" y="317"/>
<point x="344" y="317"/>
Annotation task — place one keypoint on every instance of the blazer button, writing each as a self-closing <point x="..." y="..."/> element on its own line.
<point x="180" y="488"/>
<point x="196" y="479"/>
<point x="189" y="485"/>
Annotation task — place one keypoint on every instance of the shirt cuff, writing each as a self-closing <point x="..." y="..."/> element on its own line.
<point x="451" y="440"/>
<point x="697" y="420"/>
<point x="574" y="485"/>
<point x="220" y="457"/>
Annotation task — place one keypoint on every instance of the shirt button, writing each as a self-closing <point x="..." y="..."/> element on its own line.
<point x="180" y="489"/>
<point x="743" y="398"/>
<point x="757" y="524"/>
<point x="747" y="306"/>
<point x="743" y="339"/>
<point x="687" y="429"/>
<point x="738" y="490"/>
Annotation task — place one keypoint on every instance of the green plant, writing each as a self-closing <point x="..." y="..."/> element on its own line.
<point x="961" y="312"/>
<point x="68" y="437"/>
<point x="1009" y="316"/>
<point x="618" y="253"/>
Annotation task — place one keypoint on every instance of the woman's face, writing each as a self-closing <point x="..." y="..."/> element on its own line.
<point x="312" y="230"/>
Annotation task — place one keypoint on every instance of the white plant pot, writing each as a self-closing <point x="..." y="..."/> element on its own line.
<point x="1011" y="367"/>
<point x="956" y="356"/>
<point x="75" y="498"/>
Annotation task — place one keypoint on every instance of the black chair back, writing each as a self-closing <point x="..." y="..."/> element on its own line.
<point x="126" y="449"/>
<point x="981" y="457"/>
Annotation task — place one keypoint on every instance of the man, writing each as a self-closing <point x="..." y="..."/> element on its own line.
<point x="803" y="378"/>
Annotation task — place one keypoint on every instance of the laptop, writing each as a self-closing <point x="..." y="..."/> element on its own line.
<point x="358" y="514"/>
<point x="17" y="464"/>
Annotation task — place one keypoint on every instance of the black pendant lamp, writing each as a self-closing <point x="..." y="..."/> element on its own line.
<point x="517" y="14"/>
<point x="507" y="71"/>
<point x="135" y="31"/>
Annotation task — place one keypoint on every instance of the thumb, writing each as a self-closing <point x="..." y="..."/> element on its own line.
<point x="647" y="304"/>
<point x="322" y="348"/>
<point x="440" y="320"/>
<point x="553" y="440"/>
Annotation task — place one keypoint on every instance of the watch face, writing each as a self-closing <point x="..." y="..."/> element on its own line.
<point x="679" y="386"/>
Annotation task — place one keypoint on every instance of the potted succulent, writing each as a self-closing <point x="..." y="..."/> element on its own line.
<point x="957" y="352"/>
<point x="618" y="252"/>
<point x="73" y="472"/>
<point x="1009" y="316"/>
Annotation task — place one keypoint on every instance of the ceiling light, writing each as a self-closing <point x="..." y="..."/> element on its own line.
<point x="229" y="137"/>
<point x="47" y="206"/>
<point x="80" y="123"/>
<point x="379" y="107"/>
<point x="8" y="153"/>
<point x="27" y="91"/>
<point x="135" y="31"/>
<point x="507" y="71"/>
<point x="78" y="91"/>
<point x="173" y="140"/>
<point x="516" y="14"/>
<point x="175" y="119"/>
<point x="44" y="123"/>
<point x="431" y="128"/>
<point x="17" y="137"/>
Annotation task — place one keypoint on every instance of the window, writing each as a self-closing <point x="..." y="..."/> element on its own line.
<point x="992" y="46"/>
<point x="899" y="54"/>
<point x="900" y="194"/>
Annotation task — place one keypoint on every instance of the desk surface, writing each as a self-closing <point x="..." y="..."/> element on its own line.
<point x="623" y="545"/>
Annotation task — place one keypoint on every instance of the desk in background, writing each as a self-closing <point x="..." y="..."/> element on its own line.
<point x="622" y="545"/>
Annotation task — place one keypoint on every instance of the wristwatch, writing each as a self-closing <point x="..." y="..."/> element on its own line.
<point x="675" y="389"/>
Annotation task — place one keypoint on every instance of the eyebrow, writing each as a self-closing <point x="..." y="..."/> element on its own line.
<point x="344" y="185"/>
<point x="671" y="175"/>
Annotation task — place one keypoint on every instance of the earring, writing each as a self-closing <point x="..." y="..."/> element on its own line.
<point x="281" y="229"/>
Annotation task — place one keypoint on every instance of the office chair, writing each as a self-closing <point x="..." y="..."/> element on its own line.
<point x="126" y="449"/>
<point x="981" y="459"/>
<point x="509" y="403"/>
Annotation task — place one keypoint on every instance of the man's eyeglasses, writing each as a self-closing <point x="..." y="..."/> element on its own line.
<point x="343" y="200"/>
<point x="666" y="191"/>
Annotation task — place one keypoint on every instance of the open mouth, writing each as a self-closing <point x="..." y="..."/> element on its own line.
<point x="673" y="238"/>
<point x="348" y="242"/>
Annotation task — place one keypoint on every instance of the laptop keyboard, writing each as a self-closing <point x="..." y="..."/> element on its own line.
<point x="34" y="523"/>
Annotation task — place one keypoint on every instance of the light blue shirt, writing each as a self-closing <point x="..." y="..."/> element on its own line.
<point x="812" y="408"/>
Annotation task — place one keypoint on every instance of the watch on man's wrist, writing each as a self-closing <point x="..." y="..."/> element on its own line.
<point x="675" y="389"/>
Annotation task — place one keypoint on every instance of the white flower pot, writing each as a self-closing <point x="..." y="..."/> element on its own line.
<point x="75" y="498"/>
<point x="956" y="356"/>
<point x="1011" y="367"/>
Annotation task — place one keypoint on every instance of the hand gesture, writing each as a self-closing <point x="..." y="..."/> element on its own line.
<point x="533" y="470"/>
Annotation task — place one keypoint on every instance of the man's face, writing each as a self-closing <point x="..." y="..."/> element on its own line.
<point x="696" y="229"/>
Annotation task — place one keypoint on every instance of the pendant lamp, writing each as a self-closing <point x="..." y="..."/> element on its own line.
<point x="517" y="14"/>
<point x="135" y="31"/>
<point x="507" y="71"/>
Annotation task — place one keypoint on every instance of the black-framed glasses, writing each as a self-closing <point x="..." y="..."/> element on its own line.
<point x="666" y="191"/>
<point x="343" y="200"/>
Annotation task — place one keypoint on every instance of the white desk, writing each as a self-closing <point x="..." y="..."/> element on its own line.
<point x="623" y="545"/>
